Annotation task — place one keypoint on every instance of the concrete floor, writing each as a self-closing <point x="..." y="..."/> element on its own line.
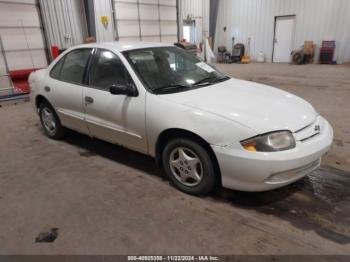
<point x="108" y="200"/>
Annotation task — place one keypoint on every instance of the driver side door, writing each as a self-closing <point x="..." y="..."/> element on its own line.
<point x="119" y="119"/>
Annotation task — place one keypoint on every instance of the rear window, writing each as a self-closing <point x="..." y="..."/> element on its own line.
<point x="72" y="66"/>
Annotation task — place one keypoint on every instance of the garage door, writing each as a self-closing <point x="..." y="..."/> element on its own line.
<point x="22" y="43"/>
<point x="146" y="20"/>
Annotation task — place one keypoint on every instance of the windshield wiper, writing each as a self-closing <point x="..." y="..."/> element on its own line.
<point x="210" y="80"/>
<point x="169" y="87"/>
<point x="205" y="81"/>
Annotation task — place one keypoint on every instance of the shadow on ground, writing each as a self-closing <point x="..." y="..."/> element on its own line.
<point x="320" y="202"/>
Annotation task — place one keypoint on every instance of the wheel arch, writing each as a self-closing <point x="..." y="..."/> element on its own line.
<point x="169" y="134"/>
<point x="39" y="99"/>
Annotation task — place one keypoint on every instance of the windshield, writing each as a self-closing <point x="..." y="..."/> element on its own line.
<point x="171" y="69"/>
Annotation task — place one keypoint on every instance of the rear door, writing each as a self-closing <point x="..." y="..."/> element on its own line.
<point x="64" y="88"/>
<point x="119" y="119"/>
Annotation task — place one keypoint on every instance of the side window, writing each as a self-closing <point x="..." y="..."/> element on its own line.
<point x="56" y="71"/>
<point x="108" y="70"/>
<point x="71" y="67"/>
<point x="155" y="65"/>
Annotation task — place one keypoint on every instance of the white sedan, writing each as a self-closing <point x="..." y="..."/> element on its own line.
<point x="204" y="128"/>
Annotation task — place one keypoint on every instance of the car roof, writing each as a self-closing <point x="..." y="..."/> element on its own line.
<point x="123" y="46"/>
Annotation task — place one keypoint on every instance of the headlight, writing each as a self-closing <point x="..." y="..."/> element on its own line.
<point x="272" y="142"/>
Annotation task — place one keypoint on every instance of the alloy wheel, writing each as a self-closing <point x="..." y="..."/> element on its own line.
<point x="186" y="166"/>
<point x="48" y="120"/>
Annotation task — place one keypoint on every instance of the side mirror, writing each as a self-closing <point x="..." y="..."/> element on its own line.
<point x="123" y="89"/>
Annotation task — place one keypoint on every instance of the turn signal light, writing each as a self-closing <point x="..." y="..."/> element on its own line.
<point x="250" y="146"/>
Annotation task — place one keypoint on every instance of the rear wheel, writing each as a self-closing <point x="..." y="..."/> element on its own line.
<point x="50" y="122"/>
<point x="189" y="167"/>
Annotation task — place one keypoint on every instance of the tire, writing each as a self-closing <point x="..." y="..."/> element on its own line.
<point x="298" y="58"/>
<point x="50" y="122"/>
<point x="189" y="167"/>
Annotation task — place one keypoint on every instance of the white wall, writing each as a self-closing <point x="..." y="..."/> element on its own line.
<point x="316" y="20"/>
<point x="104" y="8"/>
<point x="107" y="33"/>
<point x="146" y="20"/>
<point x="64" y="22"/>
<point x="199" y="10"/>
<point x="22" y="37"/>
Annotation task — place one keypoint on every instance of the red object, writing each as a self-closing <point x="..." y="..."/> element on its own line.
<point x="21" y="74"/>
<point x="327" y="52"/>
<point x="21" y="87"/>
<point x="326" y="55"/>
<point x="20" y="80"/>
<point x="55" y="51"/>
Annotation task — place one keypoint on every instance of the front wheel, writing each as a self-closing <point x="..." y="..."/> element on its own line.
<point x="189" y="167"/>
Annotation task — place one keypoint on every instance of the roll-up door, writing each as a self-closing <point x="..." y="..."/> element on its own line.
<point x="146" y="20"/>
<point x="22" y="44"/>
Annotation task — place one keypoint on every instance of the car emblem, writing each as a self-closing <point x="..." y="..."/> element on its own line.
<point x="317" y="128"/>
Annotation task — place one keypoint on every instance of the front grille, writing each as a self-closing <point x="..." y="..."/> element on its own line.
<point x="307" y="138"/>
<point x="302" y="129"/>
<point x="310" y="131"/>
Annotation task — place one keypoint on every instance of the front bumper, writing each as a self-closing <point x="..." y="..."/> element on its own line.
<point x="257" y="171"/>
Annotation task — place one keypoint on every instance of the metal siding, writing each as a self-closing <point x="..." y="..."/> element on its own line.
<point x="22" y="45"/>
<point x="199" y="10"/>
<point x="62" y="18"/>
<point x="21" y="35"/>
<point x="316" y="20"/>
<point x="196" y="8"/>
<point x="146" y="20"/>
<point x="104" y="8"/>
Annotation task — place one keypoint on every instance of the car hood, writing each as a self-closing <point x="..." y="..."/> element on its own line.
<point x="259" y="107"/>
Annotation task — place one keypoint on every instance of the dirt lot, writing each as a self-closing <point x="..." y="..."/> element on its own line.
<point x="107" y="200"/>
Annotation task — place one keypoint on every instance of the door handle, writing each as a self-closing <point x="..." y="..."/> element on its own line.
<point x="89" y="100"/>
<point x="47" y="88"/>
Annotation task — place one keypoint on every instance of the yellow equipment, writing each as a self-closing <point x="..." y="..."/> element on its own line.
<point x="246" y="57"/>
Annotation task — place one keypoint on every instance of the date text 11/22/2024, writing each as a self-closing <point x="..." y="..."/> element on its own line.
<point x="173" y="258"/>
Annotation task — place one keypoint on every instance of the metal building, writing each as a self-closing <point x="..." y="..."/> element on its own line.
<point x="194" y="14"/>
<point x="22" y="42"/>
<point x="142" y="20"/>
<point x="275" y="25"/>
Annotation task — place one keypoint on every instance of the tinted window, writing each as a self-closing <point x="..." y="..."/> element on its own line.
<point x="108" y="70"/>
<point x="56" y="71"/>
<point x="71" y="67"/>
<point x="163" y="67"/>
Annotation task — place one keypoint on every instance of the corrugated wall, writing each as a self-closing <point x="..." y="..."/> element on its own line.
<point x="199" y="10"/>
<point x="22" y="45"/>
<point x="104" y="8"/>
<point x="64" y="22"/>
<point x="21" y="35"/>
<point x="316" y="20"/>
